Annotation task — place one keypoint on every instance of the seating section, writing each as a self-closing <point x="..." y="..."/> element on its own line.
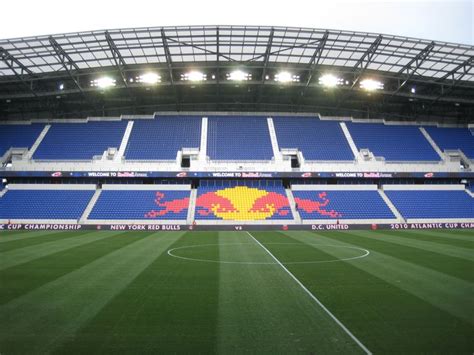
<point x="80" y="141"/>
<point x="141" y="205"/>
<point x="242" y="201"/>
<point x="44" y="204"/>
<point x="18" y="136"/>
<point x="341" y="204"/>
<point x="317" y="140"/>
<point x="394" y="143"/>
<point x="163" y="137"/>
<point x="433" y="203"/>
<point x="238" y="138"/>
<point x="453" y="138"/>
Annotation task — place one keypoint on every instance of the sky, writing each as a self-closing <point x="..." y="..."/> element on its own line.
<point x="442" y="20"/>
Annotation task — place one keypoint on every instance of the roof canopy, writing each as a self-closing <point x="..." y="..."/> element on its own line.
<point x="32" y="67"/>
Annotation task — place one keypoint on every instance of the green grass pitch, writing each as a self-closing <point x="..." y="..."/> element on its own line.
<point x="345" y="292"/>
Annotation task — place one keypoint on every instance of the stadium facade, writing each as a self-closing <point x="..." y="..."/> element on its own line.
<point x="261" y="127"/>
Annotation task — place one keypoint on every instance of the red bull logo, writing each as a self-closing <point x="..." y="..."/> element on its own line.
<point x="242" y="203"/>
<point x="173" y="206"/>
<point x="310" y="206"/>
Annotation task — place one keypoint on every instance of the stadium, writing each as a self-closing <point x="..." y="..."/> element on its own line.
<point x="236" y="189"/>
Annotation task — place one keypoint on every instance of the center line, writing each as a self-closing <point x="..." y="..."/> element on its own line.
<point x="348" y="332"/>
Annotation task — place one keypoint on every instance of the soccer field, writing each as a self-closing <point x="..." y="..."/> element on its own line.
<point x="237" y="292"/>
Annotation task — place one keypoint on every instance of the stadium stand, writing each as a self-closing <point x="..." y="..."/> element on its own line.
<point x="163" y="137"/>
<point x="341" y="204"/>
<point x="453" y="139"/>
<point x="418" y="204"/>
<point x="18" y="136"/>
<point x="80" y="141"/>
<point x="242" y="201"/>
<point x="141" y="205"/>
<point x="393" y="142"/>
<point x="238" y="138"/>
<point x="317" y="140"/>
<point x="54" y="204"/>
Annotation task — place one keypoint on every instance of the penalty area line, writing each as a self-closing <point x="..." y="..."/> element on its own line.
<point x="315" y="299"/>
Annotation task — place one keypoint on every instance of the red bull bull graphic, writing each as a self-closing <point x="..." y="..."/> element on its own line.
<point x="243" y="203"/>
<point x="172" y="206"/>
<point x="141" y="205"/>
<point x="317" y="206"/>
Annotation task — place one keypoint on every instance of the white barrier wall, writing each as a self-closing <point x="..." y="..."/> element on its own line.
<point x="147" y="187"/>
<point x="51" y="187"/>
<point x="423" y="187"/>
<point x="334" y="187"/>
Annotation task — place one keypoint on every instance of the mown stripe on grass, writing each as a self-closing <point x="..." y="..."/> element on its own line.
<point x="171" y="307"/>
<point x="263" y="310"/>
<point x="428" y="236"/>
<point x="386" y="318"/>
<point x="24" y="278"/>
<point x="439" y="289"/>
<point x="454" y="248"/>
<point x="8" y="236"/>
<point x="22" y="255"/>
<point x="43" y="319"/>
<point x="449" y="260"/>
<point x="38" y="240"/>
<point x="449" y="235"/>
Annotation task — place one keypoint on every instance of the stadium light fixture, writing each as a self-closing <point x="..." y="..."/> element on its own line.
<point x="330" y="80"/>
<point x="61" y="87"/>
<point x="149" y="78"/>
<point x="194" y="76"/>
<point x="286" y="77"/>
<point x="413" y="90"/>
<point x="238" y="75"/>
<point x="103" y="82"/>
<point x="371" y="85"/>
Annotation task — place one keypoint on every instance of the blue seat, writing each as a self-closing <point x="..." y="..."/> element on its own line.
<point x="453" y="138"/>
<point x="163" y="137"/>
<point x="18" y="136"/>
<point x="342" y="204"/>
<point x="238" y="138"/>
<point x="141" y="205"/>
<point x="317" y="140"/>
<point x="433" y="203"/>
<point x="394" y="143"/>
<point x="44" y="204"/>
<point x="80" y="141"/>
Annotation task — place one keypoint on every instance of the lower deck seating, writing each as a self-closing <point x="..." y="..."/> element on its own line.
<point x="242" y="201"/>
<point x="342" y="204"/>
<point x="141" y="205"/>
<point x="433" y="203"/>
<point x="44" y="204"/>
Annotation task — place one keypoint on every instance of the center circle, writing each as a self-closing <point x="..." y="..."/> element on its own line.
<point x="175" y="252"/>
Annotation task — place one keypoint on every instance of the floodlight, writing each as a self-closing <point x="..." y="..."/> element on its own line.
<point x="413" y="90"/>
<point x="61" y="86"/>
<point x="103" y="82"/>
<point x="286" y="77"/>
<point x="149" y="78"/>
<point x="371" y="85"/>
<point x="238" y="75"/>
<point x="194" y="76"/>
<point x="330" y="80"/>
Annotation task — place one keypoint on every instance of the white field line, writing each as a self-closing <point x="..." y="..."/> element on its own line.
<point x="348" y="332"/>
